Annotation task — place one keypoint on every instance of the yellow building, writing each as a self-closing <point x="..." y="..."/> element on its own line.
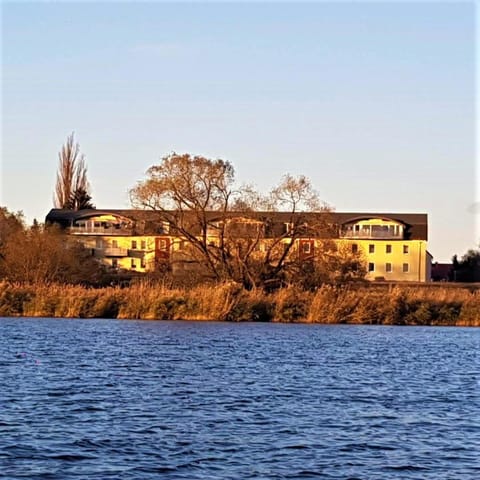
<point x="394" y="246"/>
<point x="118" y="239"/>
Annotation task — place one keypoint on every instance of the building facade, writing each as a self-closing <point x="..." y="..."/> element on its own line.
<point x="393" y="246"/>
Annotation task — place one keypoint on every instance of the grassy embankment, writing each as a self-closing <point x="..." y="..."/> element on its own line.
<point x="391" y="305"/>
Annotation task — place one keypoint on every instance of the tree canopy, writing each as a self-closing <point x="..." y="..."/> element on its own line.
<point x="467" y="269"/>
<point x="231" y="232"/>
<point x="38" y="254"/>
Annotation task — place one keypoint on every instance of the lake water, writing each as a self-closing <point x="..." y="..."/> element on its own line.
<point x="109" y="399"/>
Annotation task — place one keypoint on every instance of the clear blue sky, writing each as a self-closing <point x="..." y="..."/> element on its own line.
<point x="375" y="102"/>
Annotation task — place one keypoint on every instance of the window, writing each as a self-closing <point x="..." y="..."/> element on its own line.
<point x="133" y="263"/>
<point x="143" y="264"/>
<point x="388" y="267"/>
<point x="371" y="267"/>
<point x="114" y="244"/>
<point x="406" y="268"/>
<point x="405" y="249"/>
<point x="306" y="248"/>
<point x="371" y="248"/>
<point x="380" y="230"/>
<point x="388" y="249"/>
<point x="134" y="244"/>
<point x="354" y="248"/>
<point x="143" y="244"/>
<point x="114" y="263"/>
<point x="182" y="245"/>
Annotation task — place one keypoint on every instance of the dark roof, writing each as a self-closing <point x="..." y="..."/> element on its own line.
<point x="416" y="223"/>
<point x="66" y="217"/>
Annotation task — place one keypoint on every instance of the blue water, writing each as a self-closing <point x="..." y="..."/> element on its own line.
<point x="109" y="399"/>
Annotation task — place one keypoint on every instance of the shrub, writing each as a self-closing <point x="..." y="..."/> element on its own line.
<point x="251" y="306"/>
<point x="470" y="311"/>
<point x="12" y="300"/>
<point x="107" y="304"/>
<point x="291" y="304"/>
<point x="332" y="305"/>
<point x="400" y="305"/>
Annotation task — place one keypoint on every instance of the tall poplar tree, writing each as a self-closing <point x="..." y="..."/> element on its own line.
<point x="72" y="189"/>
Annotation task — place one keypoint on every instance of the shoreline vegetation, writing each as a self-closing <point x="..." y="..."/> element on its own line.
<point x="347" y="304"/>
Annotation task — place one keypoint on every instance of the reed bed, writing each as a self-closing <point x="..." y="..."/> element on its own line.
<point x="398" y="305"/>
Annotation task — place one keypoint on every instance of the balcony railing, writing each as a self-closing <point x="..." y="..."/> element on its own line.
<point x="111" y="252"/>
<point x="136" y="252"/>
<point x="100" y="230"/>
<point x="378" y="234"/>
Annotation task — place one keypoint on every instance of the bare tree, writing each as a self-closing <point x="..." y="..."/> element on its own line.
<point x="45" y="255"/>
<point x="72" y="189"/>
<point x="235" y="233"/>
<point x="10" y="224"/>
<point x="185" y="190"/>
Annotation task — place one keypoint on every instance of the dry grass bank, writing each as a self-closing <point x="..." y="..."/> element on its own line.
<point x="396" y="305"/>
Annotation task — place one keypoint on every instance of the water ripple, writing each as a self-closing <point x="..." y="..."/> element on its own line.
<point x="107" y="399"/>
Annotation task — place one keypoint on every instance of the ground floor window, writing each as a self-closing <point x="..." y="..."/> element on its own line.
<point x="388" y="267"/>
<point x="371" y="267"/>
<point x="406" y="268"/>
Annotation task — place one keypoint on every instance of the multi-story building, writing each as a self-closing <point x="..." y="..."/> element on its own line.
<point x="393" y="245"/>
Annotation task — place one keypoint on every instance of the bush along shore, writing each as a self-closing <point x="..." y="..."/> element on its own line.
<point x="393" y="305"/>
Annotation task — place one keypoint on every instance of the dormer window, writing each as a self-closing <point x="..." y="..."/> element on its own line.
<point x="101" y="224"/>
<point x="165" y="227"/>
<point x="373" y="228"/>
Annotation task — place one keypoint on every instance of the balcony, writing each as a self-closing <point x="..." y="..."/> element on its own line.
<point x="111" y="252"/>
<point x="385" y="231"/>
<point x="88" y="230"/>
<point x="136" y="253"/>
<point x="372" y="235"/>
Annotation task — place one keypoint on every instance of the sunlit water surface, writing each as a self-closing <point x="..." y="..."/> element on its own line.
<point x="105" y="399"/>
